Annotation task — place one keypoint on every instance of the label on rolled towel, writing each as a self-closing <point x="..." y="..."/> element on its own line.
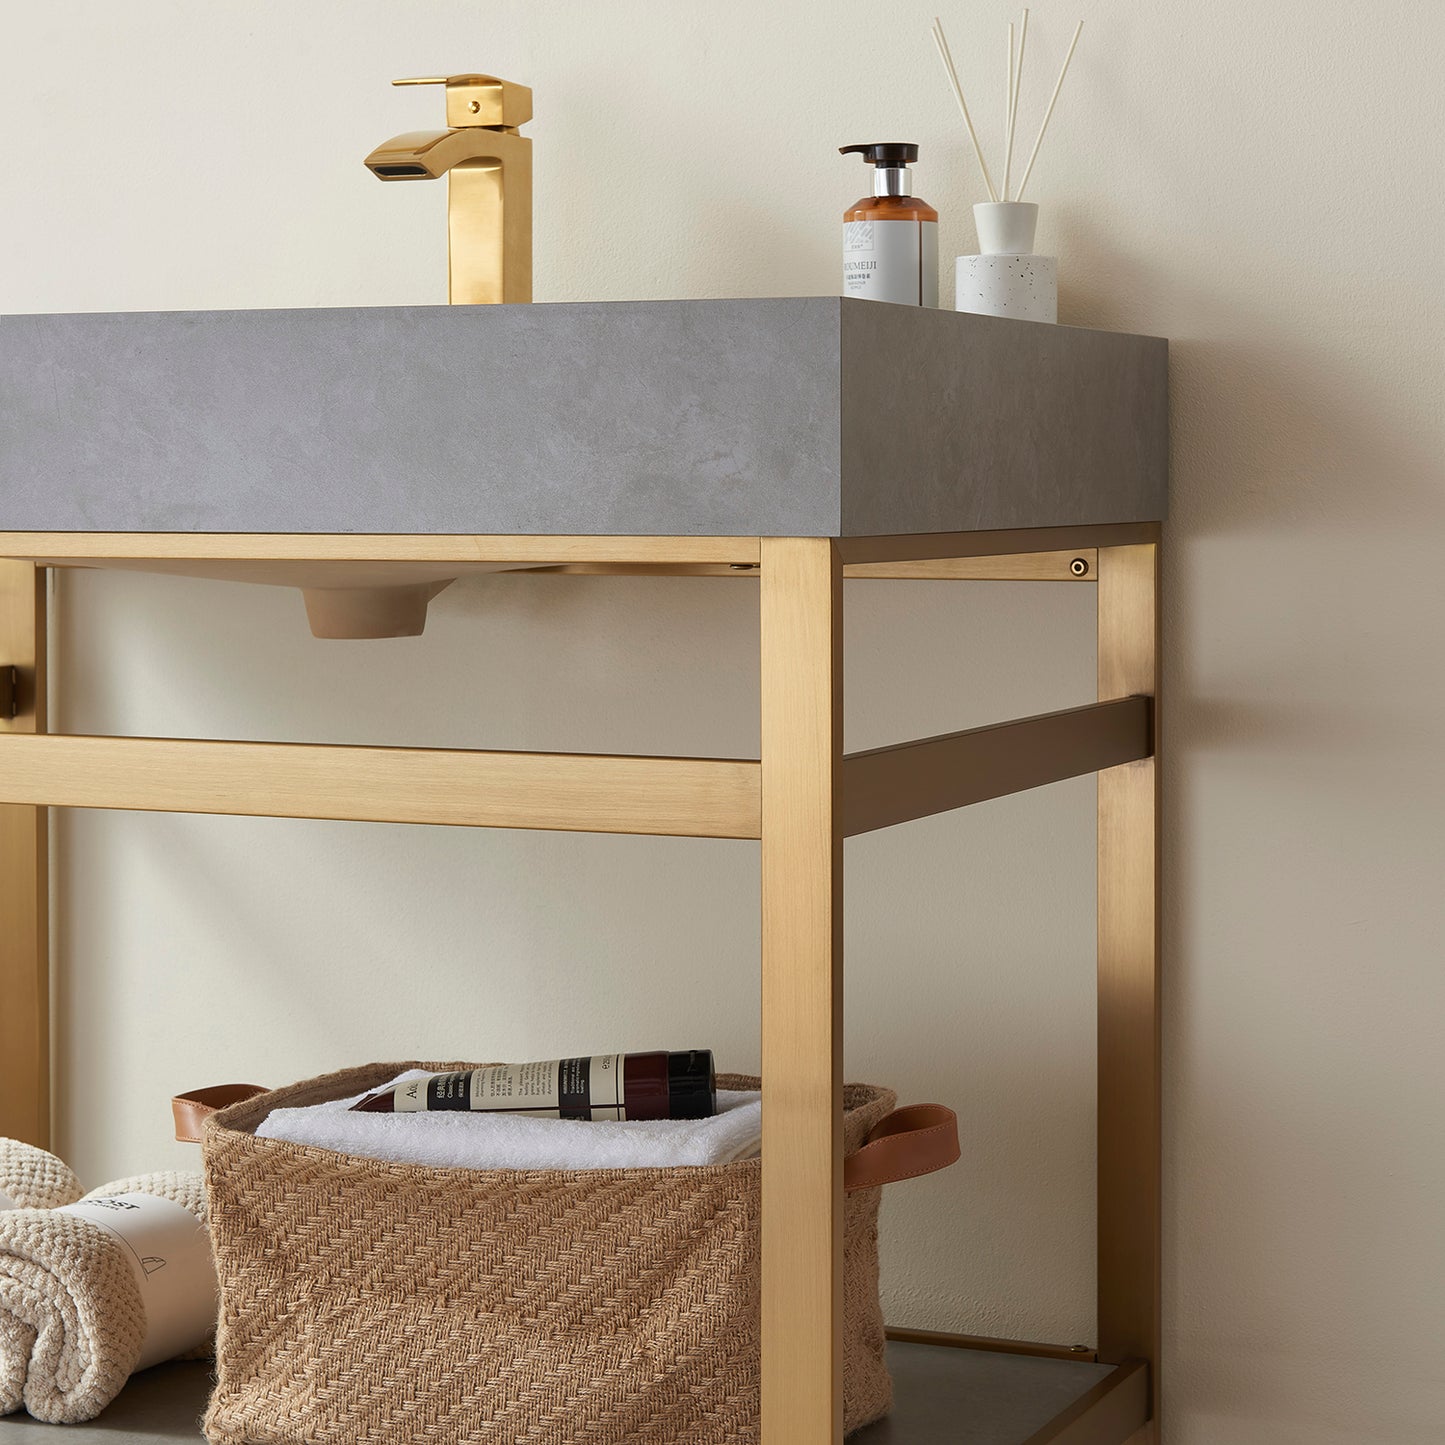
<point x="6" y="1202"/>
<point x="169" y="1251"/>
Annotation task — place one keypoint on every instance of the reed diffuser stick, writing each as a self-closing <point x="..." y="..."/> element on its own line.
<point x="1063" y="71"/>
<point x="1013" y="108"/>
<point x="941" y="40"/>
<point x="1008" y="108"/>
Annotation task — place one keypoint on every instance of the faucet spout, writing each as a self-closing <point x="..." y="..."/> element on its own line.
<point x="489" y="184"/>
<point x="427" y="155"/>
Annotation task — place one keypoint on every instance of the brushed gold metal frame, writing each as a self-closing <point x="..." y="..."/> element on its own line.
<point x="897" y="784"/>
<point x="800" y="799"/>
<point x="24" y="875"/>
<point x="1129" y="1066"/>
<point x="370" y="586"/>
<point x="992" y="1344"/>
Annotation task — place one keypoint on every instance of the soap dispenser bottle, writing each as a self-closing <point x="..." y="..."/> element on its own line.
<point x="890" y="239"/>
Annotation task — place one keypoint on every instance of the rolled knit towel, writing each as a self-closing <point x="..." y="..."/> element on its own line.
<point x="32" y="1179"/>
<point x="92" y="1292"/>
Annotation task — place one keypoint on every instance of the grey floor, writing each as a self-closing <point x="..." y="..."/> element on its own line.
<point x="159" y="1405"/>
<point x="942" y="1397"/>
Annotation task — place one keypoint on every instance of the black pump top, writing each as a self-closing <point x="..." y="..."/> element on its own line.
<point x="884" y="153"/>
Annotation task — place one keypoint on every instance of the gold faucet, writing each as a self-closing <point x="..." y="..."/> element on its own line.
<point x="488" y="166"/>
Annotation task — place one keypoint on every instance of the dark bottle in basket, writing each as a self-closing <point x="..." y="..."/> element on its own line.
<point x="681" y="1085"/>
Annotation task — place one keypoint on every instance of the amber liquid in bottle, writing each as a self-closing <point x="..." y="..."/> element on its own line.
<point x="890" y="239"/>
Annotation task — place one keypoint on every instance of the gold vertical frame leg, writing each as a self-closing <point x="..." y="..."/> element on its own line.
<point x="24" y="880"/>
<point x="1129" y="1061"/>
<point x="802" y="859"/>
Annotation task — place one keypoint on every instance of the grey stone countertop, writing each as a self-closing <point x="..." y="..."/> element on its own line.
<point x="811" y="416"/>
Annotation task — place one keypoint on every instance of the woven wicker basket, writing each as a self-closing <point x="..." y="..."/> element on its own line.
<point x="368" y="1303"/>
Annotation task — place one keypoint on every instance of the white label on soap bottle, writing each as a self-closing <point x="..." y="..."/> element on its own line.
<point x="169" y="1252"/>
<point x="891" y="261"/>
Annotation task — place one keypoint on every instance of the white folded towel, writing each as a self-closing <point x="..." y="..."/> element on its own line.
<point x="458" y="1140"/>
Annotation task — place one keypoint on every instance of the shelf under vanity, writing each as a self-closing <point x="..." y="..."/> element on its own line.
<point x="369" y="457"/>
<point x="945" y="1395"/>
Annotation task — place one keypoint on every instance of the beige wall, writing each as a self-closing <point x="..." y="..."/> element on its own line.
<point x="1259" y="182"/>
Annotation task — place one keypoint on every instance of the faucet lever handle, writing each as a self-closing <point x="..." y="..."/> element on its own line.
<point x="480" y="99"/>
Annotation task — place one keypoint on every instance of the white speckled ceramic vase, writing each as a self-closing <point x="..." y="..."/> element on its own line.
<point x="1006" y="278"/>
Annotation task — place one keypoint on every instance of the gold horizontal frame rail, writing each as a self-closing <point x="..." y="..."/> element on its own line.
<point x="1070" y="564"/>
<point x="935" y="775"/>
<point x="920" y="546"/>
<point x="575" y="792"/>
<point x="1076" y="564"/>
<point x="1081" y="1353"/>
<point x="86" y="548"/>
<point x="1115" y="1410"/>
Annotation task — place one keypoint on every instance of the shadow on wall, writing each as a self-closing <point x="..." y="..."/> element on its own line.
<point x="1274" y="422"/>
<point x="1332" y="1280"/>
<point x="1302" y="718"/>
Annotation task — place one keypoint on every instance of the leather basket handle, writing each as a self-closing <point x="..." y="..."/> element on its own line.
<point x="192" y="1109"/>
<point x="917" y="1139"/>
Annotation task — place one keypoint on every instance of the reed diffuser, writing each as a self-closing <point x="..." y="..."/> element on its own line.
<point x="1006" y="278"/>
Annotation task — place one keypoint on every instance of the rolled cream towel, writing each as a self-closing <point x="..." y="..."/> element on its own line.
<point x="91" y="1292"/>
<point x="32" y="1179"/>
